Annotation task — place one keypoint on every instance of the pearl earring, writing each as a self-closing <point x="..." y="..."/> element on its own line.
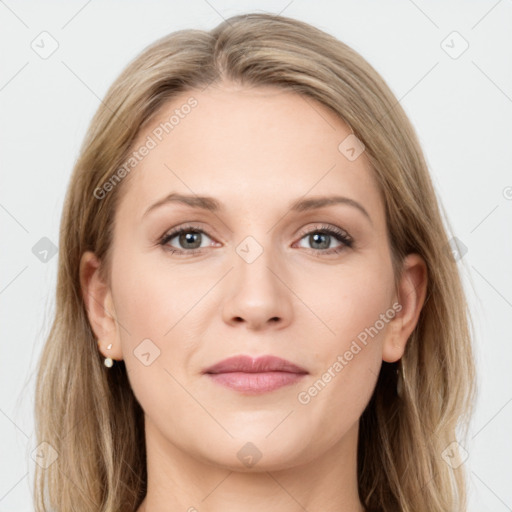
<point x="108" y="360"/>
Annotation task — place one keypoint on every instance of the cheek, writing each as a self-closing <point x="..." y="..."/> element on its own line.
<point x="157" y="300"/>
<point x="356" y="309"/>
<point x="149" y="300"/>
<point x="350" y="301"/>
<point x="152" y="314"/>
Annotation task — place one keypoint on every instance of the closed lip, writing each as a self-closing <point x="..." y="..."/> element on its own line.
<point x="248" y="364"/>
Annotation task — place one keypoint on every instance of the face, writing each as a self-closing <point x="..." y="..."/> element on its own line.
<point x="253" y="276"/>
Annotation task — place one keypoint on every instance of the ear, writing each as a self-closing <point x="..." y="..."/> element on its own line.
<point x="412" y="291"/>
<point x="100" y="306"/>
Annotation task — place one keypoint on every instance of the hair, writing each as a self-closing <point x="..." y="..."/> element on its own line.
<point x="89" y="414"/>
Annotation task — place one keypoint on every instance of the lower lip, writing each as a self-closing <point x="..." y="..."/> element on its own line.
<point x="255" y="382"/>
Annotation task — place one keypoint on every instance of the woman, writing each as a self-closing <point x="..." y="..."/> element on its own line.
<point x="254" y="369"/>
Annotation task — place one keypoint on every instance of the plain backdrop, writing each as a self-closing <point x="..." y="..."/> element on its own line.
<point x="448" y="63"/>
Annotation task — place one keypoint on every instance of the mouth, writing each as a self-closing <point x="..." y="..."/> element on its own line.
<point x="254" y="376"/>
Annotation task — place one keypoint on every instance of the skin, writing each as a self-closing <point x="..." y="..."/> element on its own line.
<point x="254" y="150"/>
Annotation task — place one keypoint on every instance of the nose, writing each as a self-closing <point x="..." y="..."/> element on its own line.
<point x="257" y="294"/>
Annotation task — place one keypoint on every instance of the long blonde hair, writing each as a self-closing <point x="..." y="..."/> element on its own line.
<point x="89" y="415"/>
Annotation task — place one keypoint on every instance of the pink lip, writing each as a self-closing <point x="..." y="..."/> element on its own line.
<point x="248" y="375"/>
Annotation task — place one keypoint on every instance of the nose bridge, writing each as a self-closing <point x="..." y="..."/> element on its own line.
<point x="255" y="261"/>
<point x="257" y="248"/>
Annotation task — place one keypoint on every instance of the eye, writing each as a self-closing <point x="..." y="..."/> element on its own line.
<point x="188" y="237"/>
<point x="320" y="238"/>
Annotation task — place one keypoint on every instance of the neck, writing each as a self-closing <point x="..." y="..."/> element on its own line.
<point x="178" y="481"/>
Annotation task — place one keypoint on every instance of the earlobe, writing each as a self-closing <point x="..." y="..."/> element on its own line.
<point x="99" y="305"/>
<point x="412" y="292"/>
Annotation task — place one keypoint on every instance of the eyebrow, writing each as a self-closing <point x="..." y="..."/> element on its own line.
<point x="299" y="205"/>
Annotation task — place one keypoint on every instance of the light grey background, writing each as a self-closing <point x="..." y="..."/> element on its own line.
<point x="460" y="105"/>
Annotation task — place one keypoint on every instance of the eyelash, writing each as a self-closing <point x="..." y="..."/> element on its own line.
<point x="337" y="233"/>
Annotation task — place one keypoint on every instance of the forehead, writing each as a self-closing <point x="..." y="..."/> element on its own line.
<point x="249" y="147"/>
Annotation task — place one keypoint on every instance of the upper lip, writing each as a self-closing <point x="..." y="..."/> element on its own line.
<point x="248" y="364"/>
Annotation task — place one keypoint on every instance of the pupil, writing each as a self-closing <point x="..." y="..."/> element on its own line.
<point x="325" y="244"/>
<point x="189" y="238"/>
